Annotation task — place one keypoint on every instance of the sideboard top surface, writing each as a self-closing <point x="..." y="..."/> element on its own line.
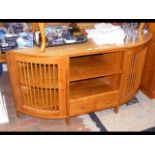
<point x="87" y="48"/>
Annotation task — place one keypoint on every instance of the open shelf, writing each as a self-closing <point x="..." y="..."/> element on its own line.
<point x="92" y="87"/>
<point x="86" y="67"/>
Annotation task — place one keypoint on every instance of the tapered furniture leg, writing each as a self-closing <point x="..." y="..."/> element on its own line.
<point x="68" y="121"/>
<point x="116" y="109"/>
<point x="17" y="114"/>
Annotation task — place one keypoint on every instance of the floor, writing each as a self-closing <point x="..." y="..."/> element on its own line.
<point x="27" y="123"/>
<point x="135" y="117"/>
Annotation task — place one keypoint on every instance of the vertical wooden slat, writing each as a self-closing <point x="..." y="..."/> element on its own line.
<point x="129" y="79"/>
<point x="58" y="89"/>
<point x="46" y="88"/>
<point x="21" y="72"/>
<point x="26" y="84"/>
<point x="29" y="83"/>
<point x="138" y="62"/>
<point x="133" y="74"/>
<point x="50" y="86"/>
<point x="37" y="83"/>
<point x="32" y="77"/>
<point x="41" y="85"/>
<point x="57" y="99"/>
<point x="137" y="69"/>
<point x="54" y="92"/>
<point x="140" y="67"/>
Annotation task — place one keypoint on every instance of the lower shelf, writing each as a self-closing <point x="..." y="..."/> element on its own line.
<point x="93" y="95"/>
<point x="91" y="87"/>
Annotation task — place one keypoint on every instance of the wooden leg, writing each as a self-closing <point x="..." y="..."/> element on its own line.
<point x="17" y="114"/>
<point x="116" y="109"/>
<point x="68" y="121"/>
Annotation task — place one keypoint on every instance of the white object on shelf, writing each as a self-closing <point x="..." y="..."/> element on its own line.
<point x="69" y="41"/>
<point x="3" y="110"/>
<point x="5" y="68"/>
<point x="106" y="34"/>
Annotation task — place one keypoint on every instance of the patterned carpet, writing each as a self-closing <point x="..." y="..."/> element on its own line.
<point x="134" y="117"/>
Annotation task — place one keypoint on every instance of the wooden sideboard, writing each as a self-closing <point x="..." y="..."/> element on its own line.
<point x="148" y="78"/>
<point x="72" y="80"/>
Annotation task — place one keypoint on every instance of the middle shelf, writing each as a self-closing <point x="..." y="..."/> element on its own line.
<point x="95" y="86"/>
<point x="87" y="67"/>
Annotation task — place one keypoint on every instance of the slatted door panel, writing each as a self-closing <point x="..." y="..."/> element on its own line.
<point x="42" y="85"/>
<point x="133" y="67"/>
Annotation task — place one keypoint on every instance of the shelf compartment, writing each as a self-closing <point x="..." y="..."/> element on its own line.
<point x="94" y="94"/>
<point x="91" y="87"/>
<point x="86" y="67"/>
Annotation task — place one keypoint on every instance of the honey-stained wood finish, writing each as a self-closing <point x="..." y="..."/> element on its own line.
<point x="76" y="79"/>
<point x="38" y="88"/>
<point x="132" y="72"/>
<point x="2" y="58"/>
<point x="140" y="32"/>
<point x="148" y="77"/>
<point x="68" y="85"/>
<point x="101" y="65"/>
<point x="42" y="31"/>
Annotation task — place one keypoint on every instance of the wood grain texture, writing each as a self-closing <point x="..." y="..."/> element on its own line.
<point x="75" y="79"/>
<point x="38" y="85"/>
<point x="2" y="58"/>
<point x="132" y="73"/>
<point x="148" y="78"/>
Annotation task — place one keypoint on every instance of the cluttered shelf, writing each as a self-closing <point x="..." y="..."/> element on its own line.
<point x="97" y="40"/>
